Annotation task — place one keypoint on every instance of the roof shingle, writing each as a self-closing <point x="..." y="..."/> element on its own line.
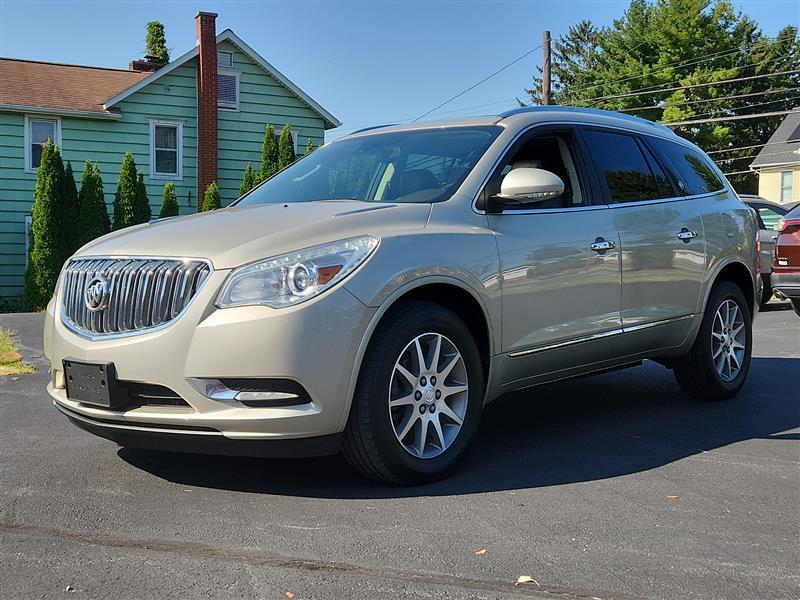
<point x="63" y="87"/>
<point x="779" y="150"/>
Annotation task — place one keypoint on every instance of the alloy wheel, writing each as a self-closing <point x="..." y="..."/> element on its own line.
<point x="428" y="395"/>
<point x="728" y="339"/>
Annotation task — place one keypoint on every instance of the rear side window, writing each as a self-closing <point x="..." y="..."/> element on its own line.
<point x="623" y="166"/>
<point x="695" y="173"/>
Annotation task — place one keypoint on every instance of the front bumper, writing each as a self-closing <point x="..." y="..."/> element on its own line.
<point x="314" y="344"/>
<point x="786" y="285"/>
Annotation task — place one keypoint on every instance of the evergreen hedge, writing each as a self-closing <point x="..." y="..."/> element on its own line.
<point x="269" y="154"/>
<point x="71" y="210"/>
<point x="248" y="181"/>
<point x="125" y="197"/>
<point x="286" y="155"/>
<point x="211" y="200"/>
<point x="142" y="206"/>
<point x="309" y="147"/>
<point x="50" y="243"/>
<point x="169" y="204"/>
<point x="92" y="219"/>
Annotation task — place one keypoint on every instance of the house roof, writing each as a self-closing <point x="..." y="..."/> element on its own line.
<point x="94" y="91"/>
<point x="228" y="35"/>
<point x="783" y="148"/>
<point x="52" y="87"/>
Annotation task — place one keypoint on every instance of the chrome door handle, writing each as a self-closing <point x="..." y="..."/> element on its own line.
<point x="686" y="235"/>
<point x="601" y="245"/>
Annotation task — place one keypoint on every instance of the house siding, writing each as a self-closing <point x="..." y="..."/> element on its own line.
<point x="769" y="182"/>
<point x="262" y="100"/>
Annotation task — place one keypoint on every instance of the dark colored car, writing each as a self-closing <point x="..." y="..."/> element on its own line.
<point x="786" y="267"/>
<point x="769" y="215"/>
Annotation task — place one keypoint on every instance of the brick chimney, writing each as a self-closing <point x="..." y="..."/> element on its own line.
<point x="146" y="65"/>
<point x="206" y="34"/>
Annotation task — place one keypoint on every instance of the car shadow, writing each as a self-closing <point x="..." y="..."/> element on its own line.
<point x="574" y="431"/>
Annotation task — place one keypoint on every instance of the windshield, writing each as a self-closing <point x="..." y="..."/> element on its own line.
<point x="425" y="165"/>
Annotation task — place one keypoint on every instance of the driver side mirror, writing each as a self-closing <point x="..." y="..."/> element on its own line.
<point x="525" y="185"/>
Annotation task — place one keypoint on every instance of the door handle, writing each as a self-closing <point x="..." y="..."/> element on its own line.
<point x="601" y="245"/>
<point x="685" y="235"/>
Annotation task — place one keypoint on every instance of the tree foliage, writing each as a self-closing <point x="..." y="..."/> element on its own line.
<point x="92" y="219"/>
<point x="125" y="199"/>
<point x="269" y="154"/>
<point x="286" y="155"/>
<point x="309" y="147"/>
<point x="50" y="244"/>
<point x="71" y="210"/>
<point x="142" y="206"/>
<point x="661" y="44"/>
<point x="156" y="42"/>
<point x="248" y="181"/>
<point x="169" y="203"/>
<point x="211" y="200"/>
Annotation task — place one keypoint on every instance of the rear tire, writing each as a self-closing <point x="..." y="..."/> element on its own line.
<point x="766" y="295"/>
<point x="716" y="367"/>
<point x="796" y="306"/>
<point x="398" y="396"/>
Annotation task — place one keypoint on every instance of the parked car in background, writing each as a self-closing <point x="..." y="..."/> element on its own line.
<point x="375" y="295"/>
<point x="786" y="267"/>
<point x="769" y="216"/>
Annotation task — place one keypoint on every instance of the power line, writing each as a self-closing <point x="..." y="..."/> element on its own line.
<point x="705" y="100"/>
<point x="733" y="118"/>
<point x="472" y="87"/>
<point x="747" y="147"/>
<point x="740" y="172"/>
<point x="696" y="85"/>
<point x="680" y="63"/>
<point x="717" y="112"/>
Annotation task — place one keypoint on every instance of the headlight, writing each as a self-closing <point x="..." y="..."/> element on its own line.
<point x="296" y="276"/>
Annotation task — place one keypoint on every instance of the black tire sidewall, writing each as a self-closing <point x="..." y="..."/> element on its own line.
<point x="421" y="318"/>
<point x="703" y="351"/>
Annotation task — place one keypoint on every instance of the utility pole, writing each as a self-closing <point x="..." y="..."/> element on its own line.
<point x="546" y="95"/>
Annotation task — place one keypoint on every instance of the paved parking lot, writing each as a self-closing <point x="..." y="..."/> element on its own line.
<point x="613" y="486"/>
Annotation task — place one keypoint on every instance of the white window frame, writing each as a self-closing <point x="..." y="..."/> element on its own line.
<point x="781" y="187"/>
<point x="29" y="168"/>
<point x="225" y="105"/>
<point x="179" y="141"/>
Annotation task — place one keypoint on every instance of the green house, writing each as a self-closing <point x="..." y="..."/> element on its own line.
<point x="198" y="119"/>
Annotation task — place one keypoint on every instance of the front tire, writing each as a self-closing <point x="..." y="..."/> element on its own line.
<point x="716" y="367"/>
<point x="419" y="396"/>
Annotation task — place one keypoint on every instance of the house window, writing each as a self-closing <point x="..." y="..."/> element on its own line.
<point x="228" y="89"/>
<point x="166" y="150"/>
<point x="37" y="132"/>
<point x="225" y="59"/>
<point x="786" y="186"/>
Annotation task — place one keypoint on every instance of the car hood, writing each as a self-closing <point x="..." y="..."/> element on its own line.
<point x="240" y="234"/>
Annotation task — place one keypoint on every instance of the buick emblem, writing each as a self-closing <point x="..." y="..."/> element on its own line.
<point x="96" y="294"/>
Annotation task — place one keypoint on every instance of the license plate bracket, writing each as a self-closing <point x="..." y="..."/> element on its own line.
<point x="94" y="384"/>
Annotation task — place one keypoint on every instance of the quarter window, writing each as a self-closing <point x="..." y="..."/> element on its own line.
<point x="166" y="150"/>
<point x="696" y="174"/>
<point x="621" y="163"/>
<point x="37" y="132"/>
<point x="786" y="186"/>
<point x="770" y="218"/>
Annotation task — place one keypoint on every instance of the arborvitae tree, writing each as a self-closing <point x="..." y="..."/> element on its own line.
<point x="156" y="41"/>
<point x="127" y="190"/>
<point x="48" y="249"/>
<point x="248" y="181"/>
<point x="142" y="207"/>
<point x="211" y="199"/>
<point x="92" y="219"/>
<point x="71" y="211"/>
<point x="269" y="154"/>
<point x="169" y="204"/>
<point x="286" y="155"/>
<point x="309" y="147"/>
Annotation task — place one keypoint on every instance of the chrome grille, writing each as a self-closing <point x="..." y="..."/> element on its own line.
<point x="143" y="293"/>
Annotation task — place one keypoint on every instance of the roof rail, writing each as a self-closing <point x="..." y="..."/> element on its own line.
<point x="581" y="110"/>
<point x="371" y="128"/>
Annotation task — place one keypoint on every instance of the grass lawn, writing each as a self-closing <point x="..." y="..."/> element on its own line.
<point x="10" y="359"/>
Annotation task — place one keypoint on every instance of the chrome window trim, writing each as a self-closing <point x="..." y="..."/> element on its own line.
<point x="69" y="324"/>
<point x="533" y="211"/>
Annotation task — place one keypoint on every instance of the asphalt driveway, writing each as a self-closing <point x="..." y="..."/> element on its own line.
<point x="613" y="486"/>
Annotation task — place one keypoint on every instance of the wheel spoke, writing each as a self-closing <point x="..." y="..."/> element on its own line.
<point x="448" y="367"/>
<point x="423" y="366"/>
<point x="450" y="390"/>
<point x="449" y="413"/>
<point x="410" y="377"/>
<point x="737" y="345"/>
<point x="436" y="350"/>
<point x="437" y="426"/>
<point x="738" y="329"/>
<point x="412" y="418"/>
<point x="421" y="436"/>
<point x="736" y="360"/>
<point x="406" y="400"/>
<point x="717" y="351"/>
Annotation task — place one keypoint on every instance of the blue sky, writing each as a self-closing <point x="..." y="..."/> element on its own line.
<point x="366" y="62"/>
